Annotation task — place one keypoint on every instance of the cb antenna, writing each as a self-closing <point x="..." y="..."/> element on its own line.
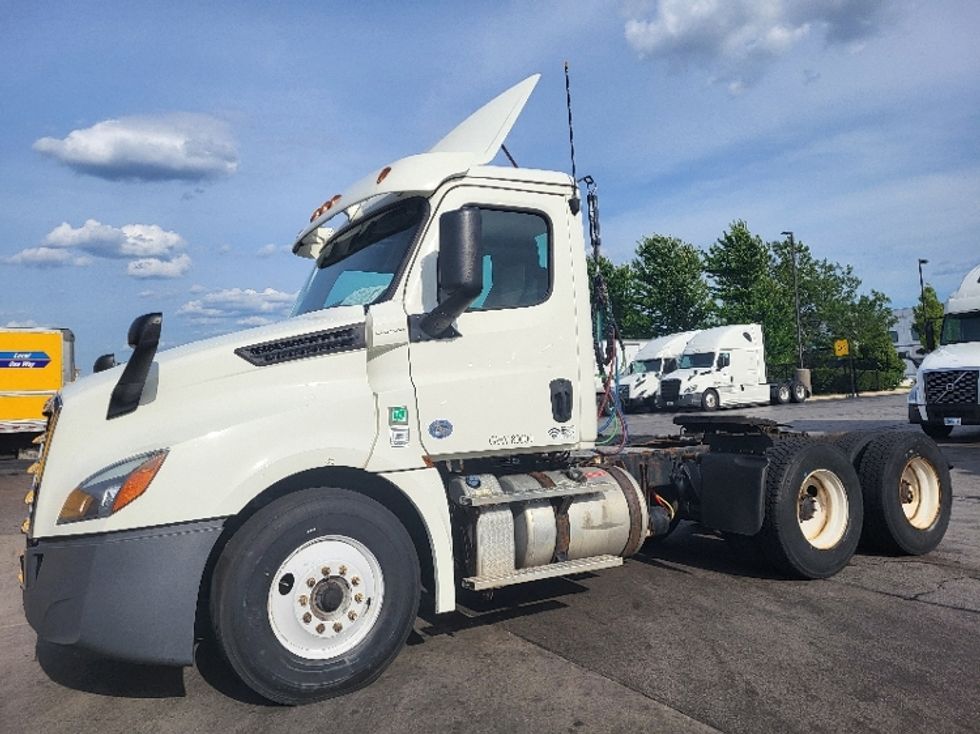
<point x="575" y="204"/>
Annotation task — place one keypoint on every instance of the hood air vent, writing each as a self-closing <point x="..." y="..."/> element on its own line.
<point x="315" y="344"/>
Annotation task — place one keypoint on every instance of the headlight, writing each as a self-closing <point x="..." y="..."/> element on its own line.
<point x="111" y="489"/>
<point x="914" y="392"/>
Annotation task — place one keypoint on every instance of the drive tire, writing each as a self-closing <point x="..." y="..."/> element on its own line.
<point x="783" y="393"/>
<point x="854" y="444"/>
<point x="821" y="544"/>
<point x="936" y="431"/>
<point x="798" y="392"/>
<point x="907" y="493"/>
<point x="709" y="400"/>
<point x="253" y="617"/>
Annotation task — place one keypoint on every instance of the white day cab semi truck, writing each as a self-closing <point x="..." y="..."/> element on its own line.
<point x="946" y="393"/>
<point x="640" y="388"/>
<point x="725" y="367"/>
<point x="425" y="419"/>
<point x="35" y="363"/>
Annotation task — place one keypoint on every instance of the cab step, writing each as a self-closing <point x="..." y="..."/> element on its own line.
<point x="536" y="573"/>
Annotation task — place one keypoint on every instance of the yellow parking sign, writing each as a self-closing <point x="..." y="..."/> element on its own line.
<point x="841" y="347"/>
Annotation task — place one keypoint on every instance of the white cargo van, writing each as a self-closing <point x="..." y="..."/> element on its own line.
<point x="945" y="394"/>
<point x="724" y="367"/>
<point x="639" y="389"/>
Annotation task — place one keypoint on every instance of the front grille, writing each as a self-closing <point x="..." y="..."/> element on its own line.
<point x="343" y="339"/>
<point x="949" y="387"/>
<point x="670" y="390"/>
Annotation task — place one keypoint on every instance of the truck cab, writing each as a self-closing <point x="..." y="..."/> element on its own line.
<point x="657" y="358"/>
<point x="945" y="393"/>
<point x="719" y="367"/>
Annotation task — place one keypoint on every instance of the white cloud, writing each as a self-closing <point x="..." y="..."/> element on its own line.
<point x="272" y="249"/>
<point x="29" y="324"/>
<point x="151" y="267"/>
<point x="187" y="147"/>
<point x="130" y="240"/>
<point x="245" y="306"/>
<point x="736" y="40"/>
<point x="47" y="257"/>
<point x="151" y="250"/>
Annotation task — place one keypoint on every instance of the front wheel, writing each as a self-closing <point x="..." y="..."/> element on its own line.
<point x="799" y="393"/>
<point x="813" y="509"/>
<point x="315" y="595"/>
<point x="709" y="400"/>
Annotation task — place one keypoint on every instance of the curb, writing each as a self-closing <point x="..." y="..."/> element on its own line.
<point x="873" y="394"/>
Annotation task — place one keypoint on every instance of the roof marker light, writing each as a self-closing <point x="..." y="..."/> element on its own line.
<point x="325" y="207"/>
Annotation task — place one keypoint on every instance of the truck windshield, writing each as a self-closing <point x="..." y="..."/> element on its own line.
<point x="358" y="265"/>
<point x="959" y="328"/>
<point x="698" y="360"/>
<point x="647" y="365"/>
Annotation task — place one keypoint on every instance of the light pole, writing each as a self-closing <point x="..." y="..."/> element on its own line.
<point x="922" y="286"/>
<point x="796" y="293"/>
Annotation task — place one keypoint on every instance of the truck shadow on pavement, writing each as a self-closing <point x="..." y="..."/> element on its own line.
<point x="693" y="546"/>
<point x="88" y="672"/>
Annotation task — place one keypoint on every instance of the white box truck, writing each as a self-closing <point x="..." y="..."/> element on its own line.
<point x="946" y="392"/>
<point x="725" y="367"/>
<point x="425" y="419"/>
<point x="640" y="388"/>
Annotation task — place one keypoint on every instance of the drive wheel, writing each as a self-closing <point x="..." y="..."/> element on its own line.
<point x="783" y="393"/>
<point x="907" y="493"/>
<point x="813" y="509"/>
<point x="315" y="595"/>
<point x="709" y="400"/>
<point x="799" y="394"/>
<point x="854" y="444"/>
<point x="936" y="431"/>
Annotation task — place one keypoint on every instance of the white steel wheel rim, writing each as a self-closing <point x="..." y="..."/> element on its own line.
<point x="325" y="597"/>
<point x="784" y="393"/>
<point x="920" y="493"/>
<point x="709" y="400"/>
<point x="822" y="509"/>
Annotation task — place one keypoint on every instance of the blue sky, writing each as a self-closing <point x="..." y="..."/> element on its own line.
<point x="162" y="158"/>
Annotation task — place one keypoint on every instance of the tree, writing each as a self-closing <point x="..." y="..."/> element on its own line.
<point x="619" y="287"/>
<point x="928" y="318"/>
<point x="668" y="286"/>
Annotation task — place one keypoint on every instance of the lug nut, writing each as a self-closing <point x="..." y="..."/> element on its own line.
<point x="311" y="582"/>
<point x="343" y="570"/>
<point x="303" y="600"/>
<point x="358" y="598"/>
<point x="307" y="618"/>
<point x="325" y="570"/>
<point x="319" y="628"/>
<point x="355" y="580"/>
<point x="337" y="626"/>
<point x="351" y="615"/>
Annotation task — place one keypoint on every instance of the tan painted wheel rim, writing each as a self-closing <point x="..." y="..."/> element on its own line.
<point x="920" y="493"/>
<point x="821" y="509"/>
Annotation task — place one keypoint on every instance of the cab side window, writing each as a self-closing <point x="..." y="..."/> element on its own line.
<point x="724" y="360"/>
<point x="516" y="260"/>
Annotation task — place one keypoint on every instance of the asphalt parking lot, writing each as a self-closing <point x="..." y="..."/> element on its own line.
<point x="684" y="637"/>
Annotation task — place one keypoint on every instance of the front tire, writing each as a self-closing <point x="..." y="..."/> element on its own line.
<point x="709" y="400"/>
<point x="907" y="493"/>
<point x="314" y="595"/>
<point x="813" y="509"/>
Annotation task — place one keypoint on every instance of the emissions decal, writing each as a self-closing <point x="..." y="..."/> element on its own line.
<point x="24" y="360"/>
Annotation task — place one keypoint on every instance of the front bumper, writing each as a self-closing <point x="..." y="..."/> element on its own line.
<point x="684" y="400"/>
<point x="968" y="414"/>
<point x="130" y="595"/>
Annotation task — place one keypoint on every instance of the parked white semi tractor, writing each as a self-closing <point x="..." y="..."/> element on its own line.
<point x="725" y="367"/>
<point x="425" y="419"/>
<point x="626" y="351"/>
<point x="640" y="388"/>
<point x="946" y="393"/>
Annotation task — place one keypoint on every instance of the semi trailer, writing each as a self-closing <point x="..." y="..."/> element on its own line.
<point x="424" y="420"/>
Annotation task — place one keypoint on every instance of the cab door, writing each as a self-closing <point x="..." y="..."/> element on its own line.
<point x="506" y="381"/>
